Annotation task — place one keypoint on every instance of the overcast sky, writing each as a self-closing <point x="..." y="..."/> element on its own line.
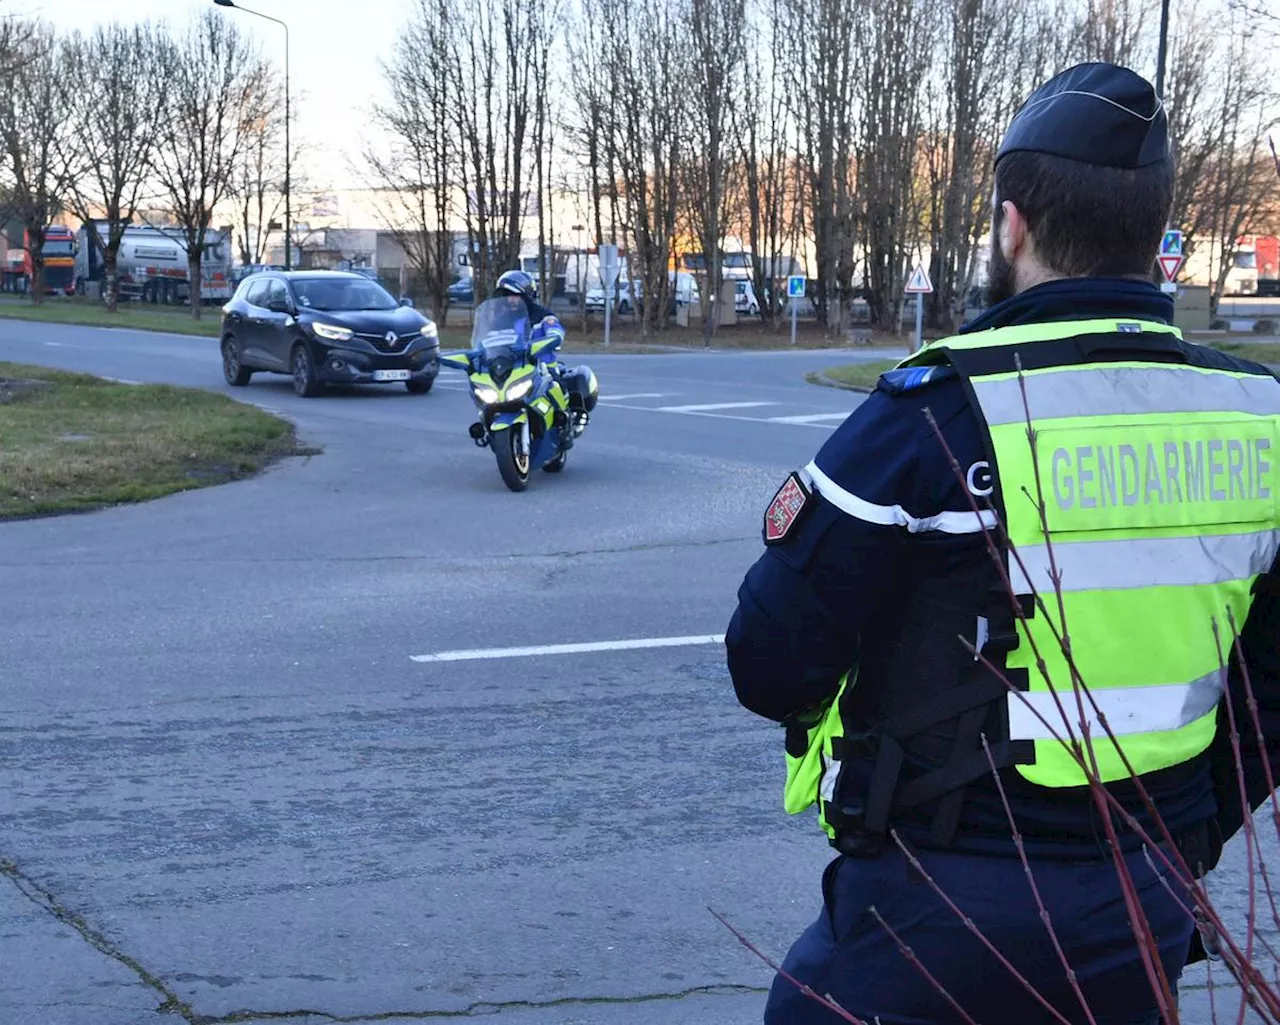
<point x="334" y="51"/>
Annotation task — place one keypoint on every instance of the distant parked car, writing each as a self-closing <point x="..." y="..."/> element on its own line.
<point x="326" y="327"/>
<point x="461" y="292"/>
<point x="594" y="299"/>
<point x="744" y="299"/>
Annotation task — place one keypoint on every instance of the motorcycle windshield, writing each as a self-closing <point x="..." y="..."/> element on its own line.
<point x="500" y="323"/>
<point x="500" y="332"/>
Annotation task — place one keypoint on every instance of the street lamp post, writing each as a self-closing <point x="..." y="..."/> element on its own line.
<point x="288" y="149"/>
<point x="1164" y="43"/>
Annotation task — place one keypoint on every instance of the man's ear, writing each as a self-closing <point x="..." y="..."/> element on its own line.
<point x="1013" y="231"/>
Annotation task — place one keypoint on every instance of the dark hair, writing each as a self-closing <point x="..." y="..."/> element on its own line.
<point x="1088" y="221"/>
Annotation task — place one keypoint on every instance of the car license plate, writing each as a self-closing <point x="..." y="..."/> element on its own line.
<point x="391" y="375"/>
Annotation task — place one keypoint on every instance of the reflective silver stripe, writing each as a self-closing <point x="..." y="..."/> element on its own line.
<point x="1129" y="710"/>
<point x="1145" y="562"/>
<point x="894" y="515"/>
<point x="1118" y="391"/>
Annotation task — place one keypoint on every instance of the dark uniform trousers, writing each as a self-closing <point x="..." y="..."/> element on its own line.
<point x="847" y="954"/>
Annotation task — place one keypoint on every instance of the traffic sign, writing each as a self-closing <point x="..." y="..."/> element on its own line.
<point x="608" y="265"/>
<point x="919" y="283"/>
<point x="1171" y="244"/>
<point x="795" y="286"/>
<point x="1171" y="265"/>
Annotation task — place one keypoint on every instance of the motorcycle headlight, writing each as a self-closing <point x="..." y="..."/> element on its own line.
<point x="332" y="332"/>
<point x="520" y="390"/>
<point x="487" y="395"/>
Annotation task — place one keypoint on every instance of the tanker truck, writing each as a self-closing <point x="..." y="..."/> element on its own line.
<point x="152" y="264"/>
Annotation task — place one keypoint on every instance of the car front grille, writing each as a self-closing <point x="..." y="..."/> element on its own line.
<point x="380" y="342"/>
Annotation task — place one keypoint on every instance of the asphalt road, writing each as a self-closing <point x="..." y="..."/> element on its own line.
<point x="258" y="758"/>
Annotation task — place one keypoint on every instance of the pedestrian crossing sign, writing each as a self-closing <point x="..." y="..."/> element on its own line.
<point x="919" y="280"/>
<point x="1171" y="244"/>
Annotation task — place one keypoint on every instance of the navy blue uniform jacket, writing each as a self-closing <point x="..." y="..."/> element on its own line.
<point x="803" y="604"/>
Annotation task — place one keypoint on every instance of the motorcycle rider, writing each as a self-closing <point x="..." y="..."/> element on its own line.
<point x="544" y="323"/>
<point x="518" y="287"/>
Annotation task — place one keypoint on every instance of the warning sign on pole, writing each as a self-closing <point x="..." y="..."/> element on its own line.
<point x="919" y="282"/>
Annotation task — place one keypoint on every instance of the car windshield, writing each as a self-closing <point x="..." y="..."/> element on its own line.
<point x="500" y="323"/>
<point x="58" y="249"/>
<point x="1247" y="261"/>
<point x="338" y="294"/>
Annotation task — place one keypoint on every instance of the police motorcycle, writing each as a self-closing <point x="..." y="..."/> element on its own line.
<point x="530" y="407"/>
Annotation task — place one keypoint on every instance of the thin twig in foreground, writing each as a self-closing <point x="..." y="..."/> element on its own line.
<point x="826" y="1002"/>
<point x="910" y="955"/>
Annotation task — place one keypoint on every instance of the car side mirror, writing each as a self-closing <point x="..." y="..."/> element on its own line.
<point x="279" y="306"/>
<point x="405" y="301"/>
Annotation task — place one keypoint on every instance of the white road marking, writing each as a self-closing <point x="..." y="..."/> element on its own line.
<point x="709" y="407"/>
<point x="718" y="416"/>
<point x="568" y="649"/>
<point x="812" y="418"/>
<point x="636" y="395"/>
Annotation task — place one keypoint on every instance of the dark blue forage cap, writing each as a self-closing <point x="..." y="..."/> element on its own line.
<point x="1095" y="113"/>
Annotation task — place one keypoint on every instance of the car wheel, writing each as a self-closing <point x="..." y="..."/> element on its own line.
<point x="624" y="307"/>
<point x="236" y="373"/>
<point x="419" y="387"/>
<point x="304" y="373"/>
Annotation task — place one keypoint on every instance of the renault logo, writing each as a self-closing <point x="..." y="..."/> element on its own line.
<point x="391" y="338"/>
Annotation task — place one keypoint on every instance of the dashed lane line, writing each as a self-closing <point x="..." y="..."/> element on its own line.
<point x="479" y="654"/>
<point x="710" y="407"/>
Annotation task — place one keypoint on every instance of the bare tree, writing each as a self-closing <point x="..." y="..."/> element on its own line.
<point x="770" y="186"/>
<point x="257" y="180"/>
<point x="1189" y="99"/>
<point x="717" y="36"/>
<point x="647" y="95"/>
<point x="1240" y="169"/>
<point x="821" y="67"/>
<point x="214" y="98"/>
<point x="35" y="121"/>
<point x="543" y="42"/>
<point x="114" y="125"/>
<point x="416" y="177"/>
<point x="968" y="107"/>
<point x="894" y="39"/>
<point x="492" y="41"/>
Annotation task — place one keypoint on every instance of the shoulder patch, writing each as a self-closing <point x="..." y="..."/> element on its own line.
<point x="905" y="379"/>
<point x="787" y="509"/>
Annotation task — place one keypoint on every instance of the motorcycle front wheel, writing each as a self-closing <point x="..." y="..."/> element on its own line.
<point x="513" y="461"/>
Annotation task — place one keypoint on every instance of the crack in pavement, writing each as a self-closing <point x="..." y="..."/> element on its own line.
<point x="173" y="1004"/>
<point x="482" y="1007"/>
<point x="43" y="898"/>
<point x="432" y="557"/>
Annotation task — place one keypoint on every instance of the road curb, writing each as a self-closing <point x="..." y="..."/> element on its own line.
<point x="819" y="378"/>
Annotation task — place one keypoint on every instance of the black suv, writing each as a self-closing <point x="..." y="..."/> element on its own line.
<point x="326" y="326"/>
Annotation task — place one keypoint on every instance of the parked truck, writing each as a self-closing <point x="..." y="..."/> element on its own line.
<point x="59" y="251"/>
<point x="1205" y="258"/>
<point x="152" y="265"/>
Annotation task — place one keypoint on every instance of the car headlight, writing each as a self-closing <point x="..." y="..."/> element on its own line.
<point x="520" y="390"/>
<point x="487" y="395"/>
<point x="429" y="330"/>
<point x="332" y="332"/>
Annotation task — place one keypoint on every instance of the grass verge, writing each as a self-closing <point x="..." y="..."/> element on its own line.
<point x="71" y="442"/>
<point x="863" y="376"/>
<point x="857" y="376"/>
<point x="1258" y="352"/>
<point x="131" y="316"/>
